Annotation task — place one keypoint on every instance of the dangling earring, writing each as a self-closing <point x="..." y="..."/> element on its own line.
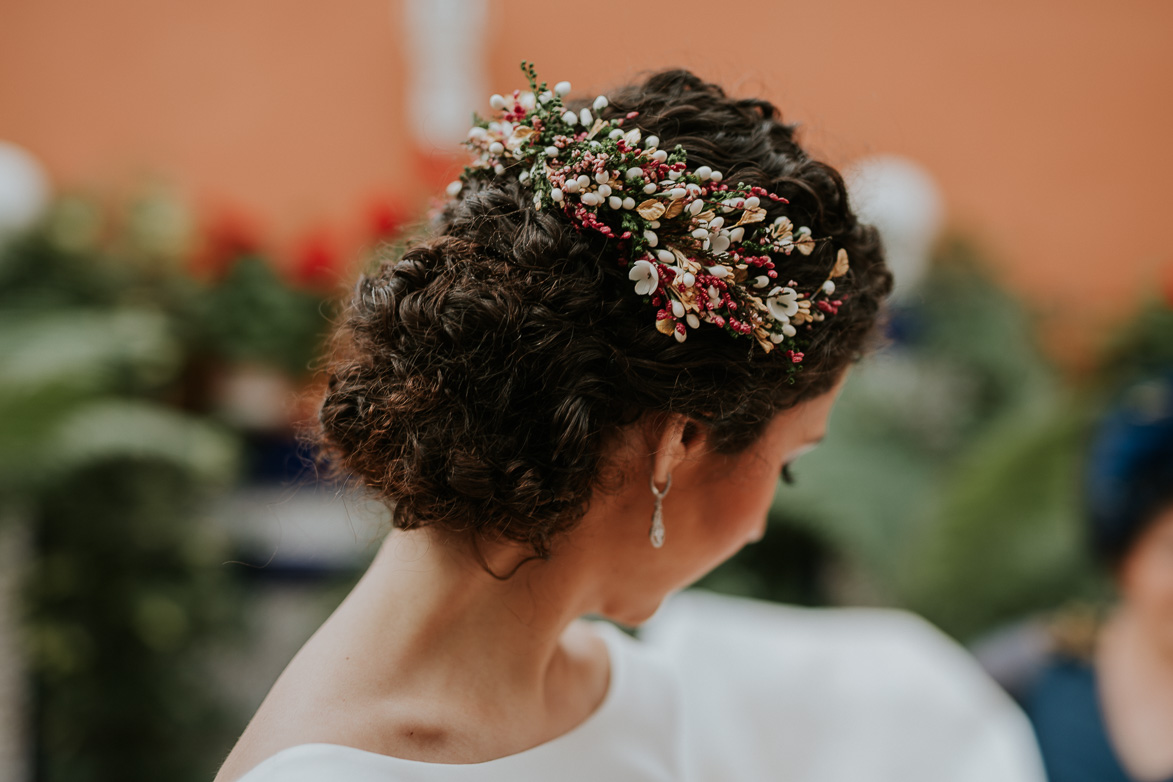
<point x="656" y="533"/>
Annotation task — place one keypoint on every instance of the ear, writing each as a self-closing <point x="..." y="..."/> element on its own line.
<point x="676" y="439"/>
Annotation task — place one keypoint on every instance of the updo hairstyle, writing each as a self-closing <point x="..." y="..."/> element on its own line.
<point x="477" y="381"/>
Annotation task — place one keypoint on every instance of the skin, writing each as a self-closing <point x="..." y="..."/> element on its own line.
<point x="430" y="658"/>
<point x="1134" y="659"/>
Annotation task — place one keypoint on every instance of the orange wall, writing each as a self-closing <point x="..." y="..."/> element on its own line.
<point x="1046" y="123"/>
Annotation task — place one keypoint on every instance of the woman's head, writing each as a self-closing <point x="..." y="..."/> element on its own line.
<point x="487" y="380"/>
<point x="1130" y="500"/>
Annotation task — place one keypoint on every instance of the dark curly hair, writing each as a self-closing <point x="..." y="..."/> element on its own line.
<point x="478" y="379"/>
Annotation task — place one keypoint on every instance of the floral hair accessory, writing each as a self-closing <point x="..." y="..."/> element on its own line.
<point x="699" y="250"/>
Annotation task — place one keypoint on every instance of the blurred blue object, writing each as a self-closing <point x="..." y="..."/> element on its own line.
<point x="1130" y="466"/>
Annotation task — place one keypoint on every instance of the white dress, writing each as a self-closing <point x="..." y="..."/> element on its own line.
<point x="728" y="689"/>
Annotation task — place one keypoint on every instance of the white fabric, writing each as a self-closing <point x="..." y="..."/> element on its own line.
<point x="729" y="689"/>
<point x="773" y="692"/>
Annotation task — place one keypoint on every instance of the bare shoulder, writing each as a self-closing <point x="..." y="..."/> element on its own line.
<point x="282" y="721"/>
<point x="314" y="700"/>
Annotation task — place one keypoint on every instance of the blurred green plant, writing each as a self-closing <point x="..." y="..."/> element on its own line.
<point x="948" y="479"/>
<point x="108" y="454"/>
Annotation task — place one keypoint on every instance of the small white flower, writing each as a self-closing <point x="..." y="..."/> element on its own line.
<point x="666" y="256"/>
<point x="497" y="102"/>
<point x="782" y="304"/>
<point x="556" y="195"/>
<point x="703" y="173"/>
<point x="546" y="97"/>
<point x="677" y="308"/>
<point x="718" y="271"/>
<point x="551" y="151"/>
<point x="570" y="118"/>
<point x="585" y="118"/>
<point x="716" y="176"/>
<point x="651" y="142"/>
<point x="692" y="320"/>
<point x="651" y="238"/>
<point x="454" y="188"/>
<point x="601" y="103"/>
<point x="650" y="188"/>
<point x="615" y="202"/>
<point x="828" y="287"/>
<point x="562" y="87"/>
<point x="629" y="203"/>
<point x="645" y="277"/>
<point x="496" y="148"/>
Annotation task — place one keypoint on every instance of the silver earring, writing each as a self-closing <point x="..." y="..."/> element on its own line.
<point x="656" y="533"/>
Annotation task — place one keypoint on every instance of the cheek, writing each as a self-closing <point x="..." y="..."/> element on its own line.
<point x="1148" y="585"/>
<point x="737" y="515"/>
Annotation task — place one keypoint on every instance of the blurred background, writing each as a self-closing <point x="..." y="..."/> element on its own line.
<point x="187" y="189"/>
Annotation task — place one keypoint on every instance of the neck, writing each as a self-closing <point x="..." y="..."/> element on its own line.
<point x="429" y="607"/>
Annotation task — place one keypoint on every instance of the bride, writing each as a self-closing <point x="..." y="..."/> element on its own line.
<point x="578" y="395"/>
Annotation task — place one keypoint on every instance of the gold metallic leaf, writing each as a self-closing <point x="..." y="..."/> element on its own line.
<point x="841" y="265"/>
<point x="755" y="215"/>
<point x="521" y="134"/>
<point x="805" y="243"/>
<point x="651" y="209"/>
<point x="666" y="326"/>
<point x="674" y="208"/>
